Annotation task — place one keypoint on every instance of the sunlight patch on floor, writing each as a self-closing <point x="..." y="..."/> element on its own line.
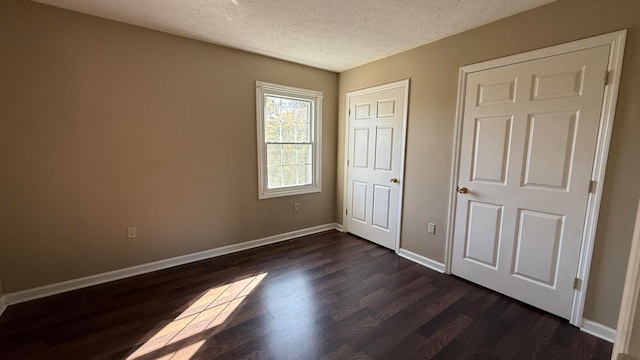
<point x="209" y="311"/>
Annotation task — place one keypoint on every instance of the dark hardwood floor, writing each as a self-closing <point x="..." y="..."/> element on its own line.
<point x="326" y="296"/>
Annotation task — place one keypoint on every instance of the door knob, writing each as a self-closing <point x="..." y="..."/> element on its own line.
<point x="394" y="180"/>
<point x="463" y="190"/>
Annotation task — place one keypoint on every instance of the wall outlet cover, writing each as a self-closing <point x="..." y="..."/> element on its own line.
<point x="132" y="232"/>
<point x="432" y="228"/>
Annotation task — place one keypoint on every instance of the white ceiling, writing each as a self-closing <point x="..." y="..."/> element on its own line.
<point x="335" y="35"/>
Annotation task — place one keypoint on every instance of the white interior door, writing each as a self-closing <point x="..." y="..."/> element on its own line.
<point x="375" y="163"/>
<point x="529" y="134"/>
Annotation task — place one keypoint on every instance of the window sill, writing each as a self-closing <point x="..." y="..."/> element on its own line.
<point x="275" y="193"/>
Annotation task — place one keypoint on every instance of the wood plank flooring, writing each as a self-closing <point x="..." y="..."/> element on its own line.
<point x="325" y="296"/>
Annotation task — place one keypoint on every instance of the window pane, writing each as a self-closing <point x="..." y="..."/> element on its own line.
<point x="289" y="176"/>
<point x="272" y="131"/>
<point x="303" y="112"/>
<point x="288" y="132"/>
<point x="304" y="174"/>
<point x="272" y="108"/>
<point x="304" y="154"/>
<point x="274" y="154"/>
<point x="287" y="109"/>
<point x="289" y="154"/>
<point x="275" y="176"/>
<point x="288" y="104"/>
<point x="303" y="132"/>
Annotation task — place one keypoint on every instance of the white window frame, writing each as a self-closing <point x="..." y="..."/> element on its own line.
<point x="264" y="89"/>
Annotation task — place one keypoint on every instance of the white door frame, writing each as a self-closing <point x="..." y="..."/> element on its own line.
<point x="617" y="41"/>
<point x="398" y="84"/>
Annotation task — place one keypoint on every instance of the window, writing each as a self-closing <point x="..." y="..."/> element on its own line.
<point x="289" y="121"/>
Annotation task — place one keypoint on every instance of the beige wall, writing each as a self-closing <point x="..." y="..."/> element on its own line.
<point x="105" y="125"/>
<point x="433" y="70"/>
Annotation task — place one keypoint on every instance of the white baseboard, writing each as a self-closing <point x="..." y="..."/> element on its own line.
<point x="339" y="227"/>
<point x="598" y="330"/>
<point x="57" y="288"/>
<point x="431" y="264"/>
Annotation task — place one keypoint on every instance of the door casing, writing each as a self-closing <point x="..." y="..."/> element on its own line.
<point x="403" y="84"/>
<point x="616" y="40"/>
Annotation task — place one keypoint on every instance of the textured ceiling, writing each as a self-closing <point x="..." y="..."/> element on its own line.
<point x="329" y="34"/>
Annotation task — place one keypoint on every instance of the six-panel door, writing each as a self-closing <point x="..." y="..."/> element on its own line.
<point x="528" y="143"/>
<point x="374" y="165"/>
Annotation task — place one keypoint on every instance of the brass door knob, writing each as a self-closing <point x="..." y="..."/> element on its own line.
<point x="394" y="180"/>
<point x="463" y="190"/>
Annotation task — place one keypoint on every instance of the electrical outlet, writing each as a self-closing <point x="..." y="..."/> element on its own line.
<point x="132" y="232"/>
<point x="432" y="228"/>
<point x="296" y="207"/>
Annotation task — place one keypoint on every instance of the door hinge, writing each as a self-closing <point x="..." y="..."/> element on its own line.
<point x="347" y="162"/>
<point x="606" y="77"/>
<point x="346" y="211"/>
<point x="577" y="284"/>
<point x="593" y="186"/>
<point x="349" y="112"/>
